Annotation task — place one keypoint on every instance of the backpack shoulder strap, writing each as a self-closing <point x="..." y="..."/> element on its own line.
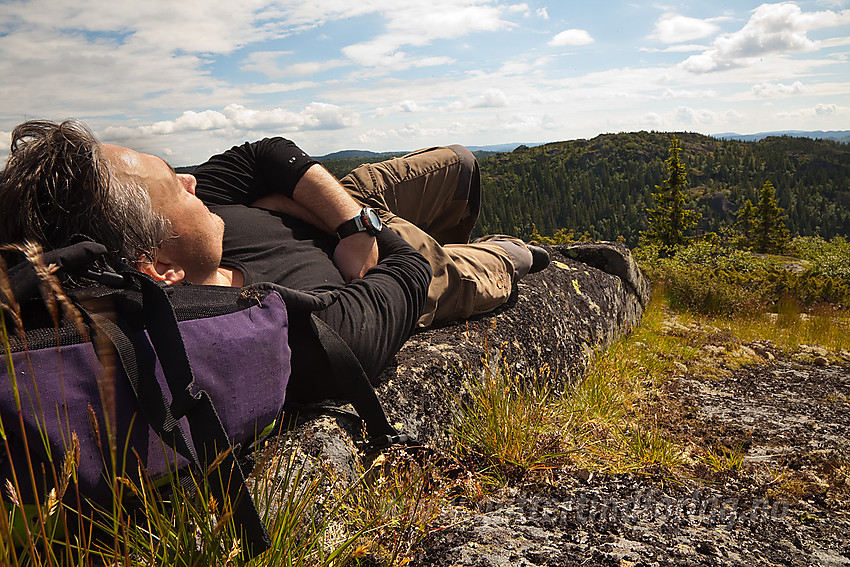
<point x="348" y="378"/>
<point x="209" y="437"/>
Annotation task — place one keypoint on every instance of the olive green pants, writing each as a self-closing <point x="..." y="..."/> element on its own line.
<point x="432" y="198"/>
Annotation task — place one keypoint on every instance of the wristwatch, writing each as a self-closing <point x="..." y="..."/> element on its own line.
<point x="366" y="221"/>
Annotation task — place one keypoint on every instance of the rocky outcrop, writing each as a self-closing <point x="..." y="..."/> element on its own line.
<point x="588" y="296"/>
<point x="556" y="320"/>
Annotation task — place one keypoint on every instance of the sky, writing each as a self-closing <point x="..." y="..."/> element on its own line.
<point x="187" y="79"/>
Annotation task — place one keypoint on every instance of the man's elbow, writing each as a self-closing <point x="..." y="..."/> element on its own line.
<point x="423" y="277"/>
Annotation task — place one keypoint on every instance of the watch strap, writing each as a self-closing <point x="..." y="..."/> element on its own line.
<point x="349" y="227"/>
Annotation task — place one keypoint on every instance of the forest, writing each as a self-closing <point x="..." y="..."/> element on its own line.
<point x="603" y="186"/>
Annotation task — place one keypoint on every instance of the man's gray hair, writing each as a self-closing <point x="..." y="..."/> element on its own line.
<point x="57" y="188"/>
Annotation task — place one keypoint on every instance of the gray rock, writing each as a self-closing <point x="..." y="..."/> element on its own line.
<point x="557" y="319"/>
<point x="613" y="258"/>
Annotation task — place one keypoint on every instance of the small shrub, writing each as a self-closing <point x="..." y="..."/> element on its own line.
<point x="710" y="292"/>
<point x="713" y="278"/>
<point x="724" y="459"/>
<point x="648" y="447"/>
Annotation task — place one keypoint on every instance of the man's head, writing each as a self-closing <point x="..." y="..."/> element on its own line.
<point x="60" y="184"/>
<point x="192" y="252"/>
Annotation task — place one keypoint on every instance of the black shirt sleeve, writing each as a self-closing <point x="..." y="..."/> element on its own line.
<point x="243" y="174"/>
<point x="373" y="315"/>
<point x="376" y="314"/>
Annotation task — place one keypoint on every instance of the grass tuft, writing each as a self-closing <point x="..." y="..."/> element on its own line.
<point x="510" y="425"/>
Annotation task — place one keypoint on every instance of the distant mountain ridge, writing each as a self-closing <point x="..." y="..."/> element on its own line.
<point x="837" y="135"/>
<point x="357" y="154"/>
<point x="370" y="155"/>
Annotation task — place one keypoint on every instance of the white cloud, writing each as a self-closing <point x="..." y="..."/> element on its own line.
<point x="653" y="121"/>
<point x="268" y="63"/>
<point x="417" y="24"/>
<point x="407" y="106"/>
<point x="823" y="113"/>
<point x="312" y="67"/>
<point x="692" y="119"/>
<point x="681" y="48"/>
<point x="772" y="29"/>
<point x="770" y="90"/>
<point x="543" y="13"/>
<point x="270" y="88"/>
<point x="673" y="28"/>
<point x="54" y="73"/>
<point x="235" y="117"/>
<point x="410" y="106"/>
<point x="688" y="93"/>
<point x="265" y="62"/>
<point x="192" y="26"/>
<point x="688" y="115"/>
<point x="825" y="109"/>
<point x="573" y="37"/>
<point x="418" y="133"/>
<point x="491" y="98"/>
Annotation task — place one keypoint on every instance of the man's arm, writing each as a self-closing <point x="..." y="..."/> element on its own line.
<point x="319" y="199"/>
<point x="275" y="174"/>
<point x="375" y="315"/>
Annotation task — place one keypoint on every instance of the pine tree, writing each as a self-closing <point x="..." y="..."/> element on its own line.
<point x="771" y="236"/>
<point x="746" y="223"/>
<point x="669" y="220"/>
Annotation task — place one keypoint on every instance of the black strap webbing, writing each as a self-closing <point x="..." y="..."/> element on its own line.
<point x="149" y="395"/>
<point x="210" y="440"/>
<point x="353" y="383"/>
<point x="349" y="381"/>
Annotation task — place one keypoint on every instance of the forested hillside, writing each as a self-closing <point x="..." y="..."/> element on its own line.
<point x="603" y="186"/>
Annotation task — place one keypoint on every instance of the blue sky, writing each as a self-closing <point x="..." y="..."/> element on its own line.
<point x="186" y="79"/>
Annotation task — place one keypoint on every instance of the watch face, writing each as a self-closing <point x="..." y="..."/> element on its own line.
<point x="373" y="219"/>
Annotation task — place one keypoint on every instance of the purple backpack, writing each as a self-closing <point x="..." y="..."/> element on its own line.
<point x="190" y="372"/>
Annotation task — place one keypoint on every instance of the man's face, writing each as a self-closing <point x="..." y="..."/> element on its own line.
<point x="197" y="244"/>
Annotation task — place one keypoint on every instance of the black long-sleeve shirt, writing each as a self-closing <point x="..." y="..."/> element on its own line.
<point x="374" y="315"/>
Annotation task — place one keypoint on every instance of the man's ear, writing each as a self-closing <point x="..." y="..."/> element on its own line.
<point x="162" y="270"/>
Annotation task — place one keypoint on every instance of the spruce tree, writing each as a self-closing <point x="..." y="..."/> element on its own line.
<point x="669" y="220"/>
<point x="746" y="223"/>
<point x="771" y="235"/>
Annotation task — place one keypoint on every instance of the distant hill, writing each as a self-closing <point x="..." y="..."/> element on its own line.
<point x="357" y="154"/>
<point x="499" y="147"/>
<point x="374" y="156"/>
<point x="603" y="186"/>
<point x="837" y="135"/>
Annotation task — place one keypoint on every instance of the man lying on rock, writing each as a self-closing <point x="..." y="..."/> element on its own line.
<point x="265" y="211"/>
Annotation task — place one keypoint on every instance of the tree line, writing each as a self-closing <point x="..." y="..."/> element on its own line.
<point x="604" y="187"/>
<point x="760" y="227"/>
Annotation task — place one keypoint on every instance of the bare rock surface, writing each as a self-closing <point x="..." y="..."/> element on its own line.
<point x="789" y="504"/>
